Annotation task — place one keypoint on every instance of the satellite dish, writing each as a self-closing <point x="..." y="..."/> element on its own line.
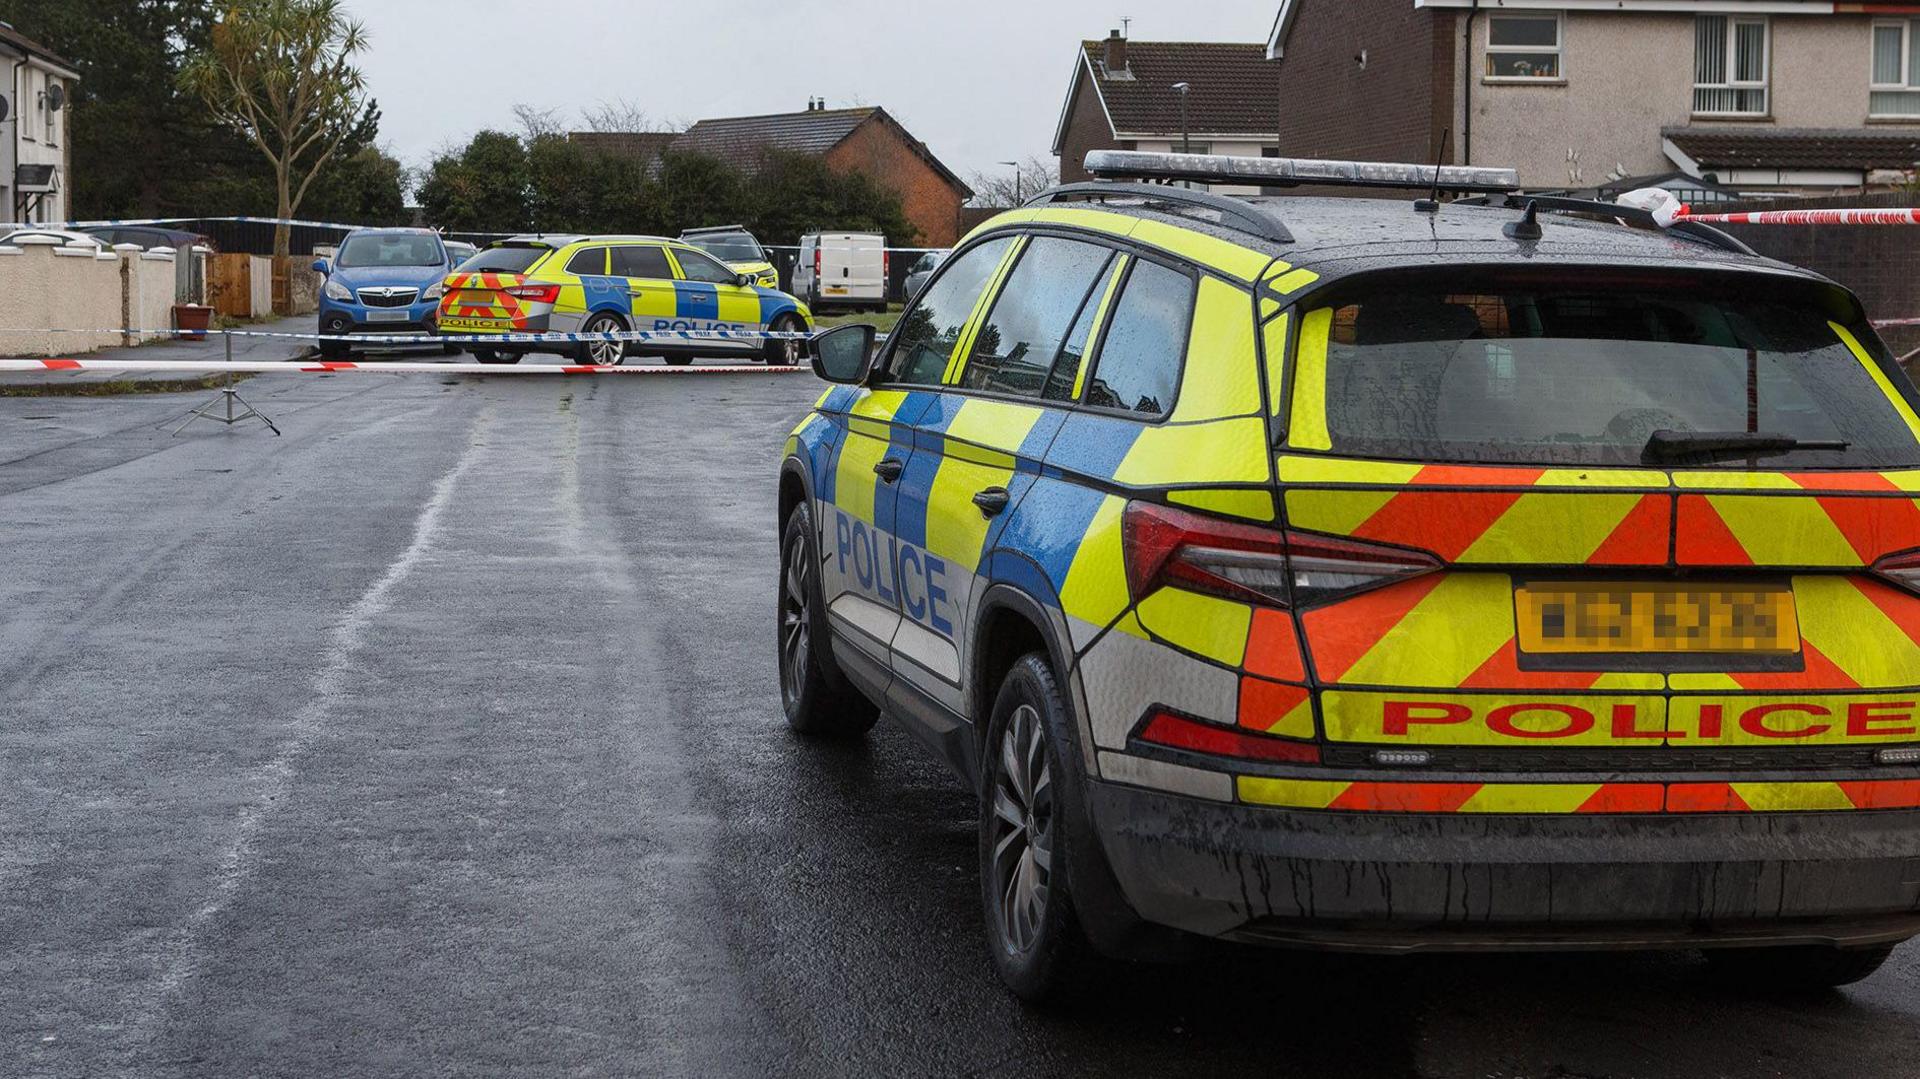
<point x="56" y="97"/>
<point x="3" y="108"/>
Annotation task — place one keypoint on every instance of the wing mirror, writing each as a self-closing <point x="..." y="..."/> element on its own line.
<point x="321" y="266"/>
<point x="843" y="354"/>
<point x="743" y="279"/>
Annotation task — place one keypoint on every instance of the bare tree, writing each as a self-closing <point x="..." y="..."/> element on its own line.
<point x="535" y="123"/>
<point x="1009" y="185"/>
<point x="622" y="117"/>
<point x="281" y="73"/>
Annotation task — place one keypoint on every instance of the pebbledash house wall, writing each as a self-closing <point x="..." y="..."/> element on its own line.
<point x="928" y="199"/>
<point x="1625" y="76"/>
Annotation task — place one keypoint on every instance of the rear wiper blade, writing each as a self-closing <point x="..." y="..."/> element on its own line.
<point x="1667" y="445"/>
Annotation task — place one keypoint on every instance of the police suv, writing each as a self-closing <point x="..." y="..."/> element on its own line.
<point x="1379" y="574"/>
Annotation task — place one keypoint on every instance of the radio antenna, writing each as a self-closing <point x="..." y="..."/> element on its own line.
<point x="1431" y="204"/>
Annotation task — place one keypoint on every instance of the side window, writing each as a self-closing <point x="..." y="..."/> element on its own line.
<point x="1015" y="349"/>
<point x="648" y="261"/>
<point x="1066" y="368"/>
<point x="698" y="266"/>
<point x="926" y="335"/>
<point x="591" y="261"/>
<point x="1138" y="368"/>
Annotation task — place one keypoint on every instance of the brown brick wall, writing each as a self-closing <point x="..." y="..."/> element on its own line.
<point x="1393" y="109"/>
<point x="1881" y="264"/>
<point x="1087" y="129"/>
<point x="882" y="151"/>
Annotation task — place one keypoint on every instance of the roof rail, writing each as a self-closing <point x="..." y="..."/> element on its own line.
<point x="1233" y="212"/>
<point x="1626" y="215"/>
<point x="1294" y="171"/>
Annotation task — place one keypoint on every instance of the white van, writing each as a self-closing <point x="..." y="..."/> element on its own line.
<point x="842" y="269"/>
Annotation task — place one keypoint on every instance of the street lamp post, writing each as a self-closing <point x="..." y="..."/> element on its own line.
<point x="1015" y="166"/>
<point x="1181" y="88"/>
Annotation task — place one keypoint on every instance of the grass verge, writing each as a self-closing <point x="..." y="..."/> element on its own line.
<point x="884" y="322"/>
<point x="119" y="386"/>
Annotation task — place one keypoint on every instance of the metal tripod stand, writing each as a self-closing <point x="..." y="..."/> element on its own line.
<point x="222" y="409"/>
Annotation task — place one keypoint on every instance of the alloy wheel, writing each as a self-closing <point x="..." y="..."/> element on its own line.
<point x="1022" y="829"/>
<point x="795" y="634"/>
<point x="605" y="353"/>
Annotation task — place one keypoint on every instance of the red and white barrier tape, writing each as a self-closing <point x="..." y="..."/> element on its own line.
<point x="323" y="367"/>
<point x="1810" y="217"/>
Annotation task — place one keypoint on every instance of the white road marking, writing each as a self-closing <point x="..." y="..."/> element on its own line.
<point x="272" y="782"/>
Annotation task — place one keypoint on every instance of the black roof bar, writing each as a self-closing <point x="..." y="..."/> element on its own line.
<point x="1233" y="212"/>
<point x="1627" y="215"/>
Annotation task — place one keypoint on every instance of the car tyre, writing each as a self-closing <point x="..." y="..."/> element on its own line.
<point x="784" y="353"/>
<point x="1029" y="806"/>
<point x="677" y="361"/>
<point x="1801" y="968"/>
<point x="602" y="353"/>
<point x="494" y="355"/>
<point x="448" y="348"/>
<point x="334" y="350"/>
<point x="814" y="695"/>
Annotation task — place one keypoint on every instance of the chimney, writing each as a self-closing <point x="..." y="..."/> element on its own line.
<point x="1116" y="52"/>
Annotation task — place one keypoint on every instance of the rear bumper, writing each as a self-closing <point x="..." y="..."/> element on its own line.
<point x="1405" y="882"/>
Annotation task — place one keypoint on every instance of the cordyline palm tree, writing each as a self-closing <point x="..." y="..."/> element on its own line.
<point x="281" y="73"/>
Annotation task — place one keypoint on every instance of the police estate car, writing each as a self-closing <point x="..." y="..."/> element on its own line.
<point x="1377" y="574"/>
<point x="601" y="284"/>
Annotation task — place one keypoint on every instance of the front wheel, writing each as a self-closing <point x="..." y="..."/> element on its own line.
<point x="1027" y="796"/>
<point x="816" y="698"/>
<point x="603" y="353"/>
<point x="677" y="360"/>
<point x="334" y="350"/>
<point x="784" y="352"/>
<point x="494" y="355"/>
<point x="1802" y="968"/>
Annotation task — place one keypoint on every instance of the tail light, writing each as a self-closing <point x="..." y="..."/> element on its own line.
<point x="1167" y="546"/>
<point x="534" y="293"/>
<point x="886" y="265"/>
<point x="816" y="262"/>
<point x="1902" y="569"/>
<point x="1182" y="732"/>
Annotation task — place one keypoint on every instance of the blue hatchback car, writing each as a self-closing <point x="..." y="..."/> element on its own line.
<point x="385" y="281"/>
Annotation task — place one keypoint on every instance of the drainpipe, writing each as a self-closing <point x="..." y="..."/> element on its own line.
<point x="1466" y="92"/>
<point x="13" y="182"/>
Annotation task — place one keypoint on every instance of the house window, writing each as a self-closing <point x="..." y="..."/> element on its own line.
<point x="1895" y="92"/>
<point x="1729" y="66"/>
<point x="1523" y="46"/>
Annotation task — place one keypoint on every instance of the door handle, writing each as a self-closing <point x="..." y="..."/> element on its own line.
<point x="992" y="501"/>
<point x="889" y="469"/>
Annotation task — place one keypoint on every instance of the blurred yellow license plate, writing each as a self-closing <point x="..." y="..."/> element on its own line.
<point x="1634" y="617"/>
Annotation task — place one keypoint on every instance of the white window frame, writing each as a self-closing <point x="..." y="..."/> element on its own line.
<point x="1764" y="84"/>
<point x="49" y="125"/>
<point x="30" y="105"/>
<point x="1558" y="49"/>
<point x="1908" y="27"/>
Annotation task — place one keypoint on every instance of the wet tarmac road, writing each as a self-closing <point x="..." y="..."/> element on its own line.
<point x="441" y="737"/>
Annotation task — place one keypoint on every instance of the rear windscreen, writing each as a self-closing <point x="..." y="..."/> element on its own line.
<point x="1563" y="373"/>
<point x="504" y="260"/>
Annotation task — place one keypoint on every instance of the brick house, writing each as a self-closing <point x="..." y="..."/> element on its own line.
<point x="1122" y="96"/>
<point x="1765" y="96"/>
<point x="866" y="140"/>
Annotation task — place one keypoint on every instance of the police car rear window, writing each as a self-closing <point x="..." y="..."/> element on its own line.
<point x="1566" y="373"/>
<point x="504" y="260"/>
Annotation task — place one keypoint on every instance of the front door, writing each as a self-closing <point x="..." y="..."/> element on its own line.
<point x="711" y="296"/>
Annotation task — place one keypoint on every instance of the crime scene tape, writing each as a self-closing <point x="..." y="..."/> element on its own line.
<point x="326" y="367"/>
<point x="1811" y="217"/>
<point x="480" y="339"/>
<point x="342" y="227"/>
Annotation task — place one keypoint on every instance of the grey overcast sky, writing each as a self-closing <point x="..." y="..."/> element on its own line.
<point x="980" y="81"/>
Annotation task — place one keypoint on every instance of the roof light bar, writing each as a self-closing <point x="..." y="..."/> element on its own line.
<point x="1291" y="171"/>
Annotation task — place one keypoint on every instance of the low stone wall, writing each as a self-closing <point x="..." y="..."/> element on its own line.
<point x="68" y="299"/>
